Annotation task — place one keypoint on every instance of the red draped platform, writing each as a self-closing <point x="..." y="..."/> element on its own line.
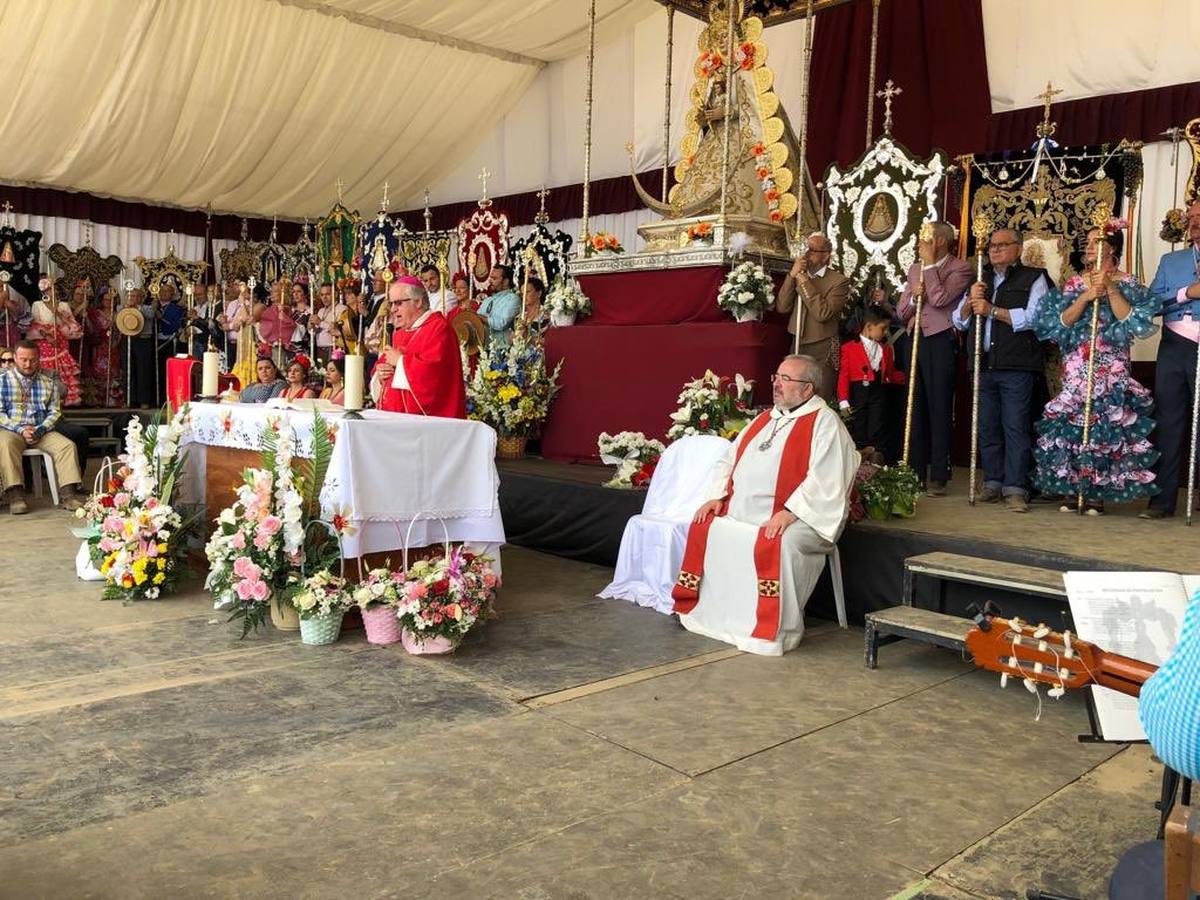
<point x="649" y="332"/>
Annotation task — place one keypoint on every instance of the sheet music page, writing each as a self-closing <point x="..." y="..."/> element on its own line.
<point x="400" y="378"/>
<point x="1135" y="614"/>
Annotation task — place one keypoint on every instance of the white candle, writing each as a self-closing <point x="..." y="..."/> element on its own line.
<point x="212" y="366"/>
<point x="354" y="382"/>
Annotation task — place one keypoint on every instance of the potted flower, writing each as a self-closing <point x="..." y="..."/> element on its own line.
<point x="633" y="453"/>
<point x="602" y="242"/>
<point x="700" y="233"/>
<point x="443" y="599"/>
<point x="890" y="491"/>
<point x="747" y="292"/>
<point x="566" y="302"/>
<point x="321" y="601"/>
<point x="376" y="597"/>
<point x="712" y="404"/>
<point x="511" y="391"/>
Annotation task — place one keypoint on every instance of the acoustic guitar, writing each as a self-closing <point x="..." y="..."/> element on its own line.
<point x="1037" y="655"/>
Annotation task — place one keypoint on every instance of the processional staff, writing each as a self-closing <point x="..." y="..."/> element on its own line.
<point x="1191" y="485"/>
<point x="982" y="229"/>
<point x="1100" y="216"/>
<point x="925" y="234"/>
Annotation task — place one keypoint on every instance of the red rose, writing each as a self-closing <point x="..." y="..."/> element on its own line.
<point x="107" y="502"/>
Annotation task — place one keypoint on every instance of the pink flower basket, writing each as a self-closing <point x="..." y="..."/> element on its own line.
<point x="417" y="646"/>
<point x="382" y="625"/>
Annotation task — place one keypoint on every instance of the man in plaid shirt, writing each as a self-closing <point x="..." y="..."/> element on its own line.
<point x="29" y="409"/>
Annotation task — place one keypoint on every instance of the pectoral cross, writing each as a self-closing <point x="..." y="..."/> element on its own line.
<point x="484" y="175"/>
<point x="1047" y="96"/>
<point x="889" y="91"/>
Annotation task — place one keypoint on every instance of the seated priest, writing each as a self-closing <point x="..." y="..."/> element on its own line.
<point x="421" y="371"/>
<point x="779" y="499"/>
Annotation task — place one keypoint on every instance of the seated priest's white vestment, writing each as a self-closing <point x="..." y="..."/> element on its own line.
<point x="737" y="586"/>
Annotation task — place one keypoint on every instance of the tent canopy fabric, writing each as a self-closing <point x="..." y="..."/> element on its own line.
<point x="259" y="106"/>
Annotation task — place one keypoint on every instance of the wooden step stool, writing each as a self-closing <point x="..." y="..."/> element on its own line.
<point x="938" y="628"/>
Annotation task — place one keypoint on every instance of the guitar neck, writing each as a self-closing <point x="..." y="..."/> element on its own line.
<point x="1121" y="673"/>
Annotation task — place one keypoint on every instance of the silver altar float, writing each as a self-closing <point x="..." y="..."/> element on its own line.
<point x="738" y="185"/>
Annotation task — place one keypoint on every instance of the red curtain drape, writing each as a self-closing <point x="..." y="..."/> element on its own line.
<point x="932" y="49"/>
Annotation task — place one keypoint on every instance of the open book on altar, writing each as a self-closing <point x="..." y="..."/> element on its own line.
<point x="1135" y="614"/>
<point x="324" y="407"/>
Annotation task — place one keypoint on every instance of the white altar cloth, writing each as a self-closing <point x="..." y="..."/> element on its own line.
<point x="387" y="469"/>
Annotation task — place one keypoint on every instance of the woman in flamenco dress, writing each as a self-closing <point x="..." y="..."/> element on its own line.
<point x="1116" y="464"/>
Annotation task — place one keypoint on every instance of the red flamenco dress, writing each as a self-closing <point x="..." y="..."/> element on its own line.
<point x="54" y="346"/>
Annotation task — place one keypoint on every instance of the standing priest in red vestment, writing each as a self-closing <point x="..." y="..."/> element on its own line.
<point x="422" y="371"/>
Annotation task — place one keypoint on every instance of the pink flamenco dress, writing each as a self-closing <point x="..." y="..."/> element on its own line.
<point x="54" y="346"/>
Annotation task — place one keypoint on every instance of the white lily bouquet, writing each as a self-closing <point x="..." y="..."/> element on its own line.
<point x="567" y="301"/>
<point x="634" y="455"/>
<point x="747" y="292"/>
<point x="712" y="404"/>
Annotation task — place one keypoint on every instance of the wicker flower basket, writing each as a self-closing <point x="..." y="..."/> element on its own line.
<point x="284" y="616"/>
<point x="510" y="446"/>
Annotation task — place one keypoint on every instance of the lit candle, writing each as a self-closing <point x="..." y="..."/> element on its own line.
<point x="354" y="382"/>
<point x="212" y="366"/>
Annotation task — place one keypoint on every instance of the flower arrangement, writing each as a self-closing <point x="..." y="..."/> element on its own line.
<point x="708" y="63"/>
<point x="1174" y="227"/>
<point x="380" y="588"/>
<point x="634" y="454"/>
<point x="700" y="232"/>
<point x="602" y="242"/>
<point x="448" y="596"/>
<point x="510" y="389"/>
<point x="744" y="56"/>
<point x="137" y="536"/>
<point x="261" y="542"/>
<point x="747" y="291"/>
<point x="712" y="404"/>
<point x="890" y="491"/>
<point x="567" y="299"/>
<point x="766" y="178"/>
<point x="322" y="594"/>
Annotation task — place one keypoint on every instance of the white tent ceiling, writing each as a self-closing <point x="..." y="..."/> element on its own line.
<point x="259" y="106"/>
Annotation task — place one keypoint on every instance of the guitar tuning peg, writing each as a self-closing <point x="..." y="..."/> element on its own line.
<point x="1043" y="646"/>
<point x="1031" y="686"/>
<point x="1041" y="631"/>
<point x="1003" y="679"/>
<point x="1015" y="624"/>
<point x="1057" y="691"/>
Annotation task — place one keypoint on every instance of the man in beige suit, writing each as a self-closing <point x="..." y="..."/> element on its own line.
<point x="824" y="294"/>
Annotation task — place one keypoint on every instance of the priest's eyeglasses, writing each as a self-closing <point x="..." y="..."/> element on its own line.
<point x="775" y="376"/>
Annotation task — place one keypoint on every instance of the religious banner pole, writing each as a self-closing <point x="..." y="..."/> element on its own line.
<point x="926" y="234"/>
<point x="982" y="229"/>
<point x="729" y="87"/>
<point x="802" y="191"/>
<point x="1175" y="133"/>
<point x="1100" y="216"/>
<point x="127" y="283"/>
<point x="1191" y="484"/>
<point x="871" y="71"/>
<point x="587" y="130"/>
<point x="667" y="101"/>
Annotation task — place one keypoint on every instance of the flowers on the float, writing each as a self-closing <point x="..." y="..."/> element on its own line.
<point x="712" y="404"/>
<point x="708" y="63"/>
<point x="602" y="242"/>
<point x="448" y="596"/>
<point x="744" y="56"/>
<point x="700" y="231"/>
<point x="747" y="289"/>
<point x="567" y="299"/>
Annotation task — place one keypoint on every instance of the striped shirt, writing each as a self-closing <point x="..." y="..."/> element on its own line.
<point x="28" y="401"/>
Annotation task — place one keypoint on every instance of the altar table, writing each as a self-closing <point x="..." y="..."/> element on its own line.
<point x="387" y="470"/>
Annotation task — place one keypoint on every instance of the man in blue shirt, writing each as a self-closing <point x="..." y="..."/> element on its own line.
<point x="500" y="309"/>
<point x="1007" y="299"/>
<point x="29" y="409"/>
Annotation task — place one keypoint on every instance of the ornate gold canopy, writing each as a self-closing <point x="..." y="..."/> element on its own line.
<point x="772" y="12"/>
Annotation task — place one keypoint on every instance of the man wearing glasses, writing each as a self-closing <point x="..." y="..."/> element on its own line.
<point x="778" y="501"/>
<point x="29" y="409"/>
<point x="1006" y="302"/>
<point x="823" y="293"/>
<point x="941" y="278"/>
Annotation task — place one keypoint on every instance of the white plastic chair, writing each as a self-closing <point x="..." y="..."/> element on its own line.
<point x="51" y="475"/>
<point x="839" y="593"/>
<point x="653" y="541"/>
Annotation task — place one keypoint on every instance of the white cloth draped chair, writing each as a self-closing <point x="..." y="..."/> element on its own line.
<point x="652" y="545"/>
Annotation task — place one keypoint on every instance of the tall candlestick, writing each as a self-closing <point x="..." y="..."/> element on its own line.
<point x="354" y="382"/>
<point x="209" y="381"/>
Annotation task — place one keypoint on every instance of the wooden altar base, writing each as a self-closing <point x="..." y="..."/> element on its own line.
<point x="562" y="509"/>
